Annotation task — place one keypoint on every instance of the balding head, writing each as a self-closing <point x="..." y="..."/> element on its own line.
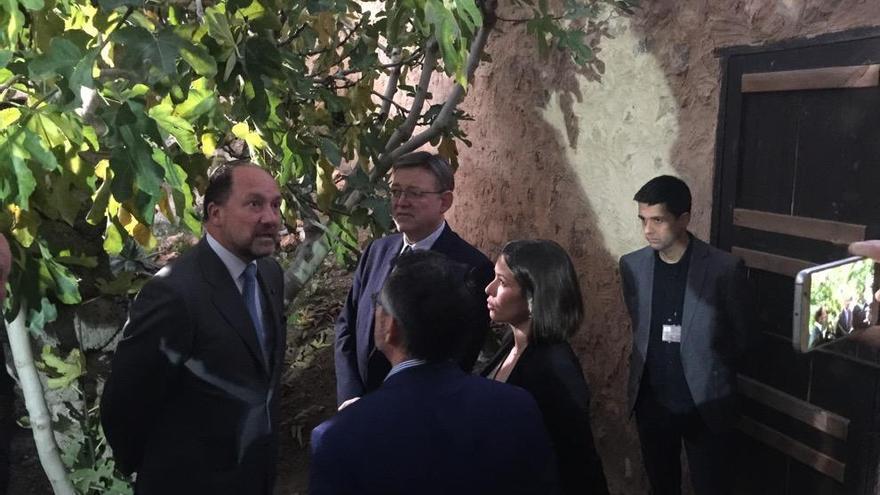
<point x="5" y="265"/>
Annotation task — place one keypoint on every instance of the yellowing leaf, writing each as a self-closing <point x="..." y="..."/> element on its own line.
<point x="138" y="231"/>
<point x="8" y="116"/>
<point x="24" y="225"/>
<point x="209" y="144"/>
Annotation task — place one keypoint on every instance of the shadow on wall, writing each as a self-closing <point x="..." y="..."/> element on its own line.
<point x="558" y="154"/>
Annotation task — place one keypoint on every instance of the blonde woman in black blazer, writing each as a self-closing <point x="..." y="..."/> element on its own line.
<point x="536" y="292"/>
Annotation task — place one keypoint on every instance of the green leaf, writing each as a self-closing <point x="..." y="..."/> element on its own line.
<point x="38" y="151"/>
<point x="114" y="239"/>
<point x="25" y="179"/>
<point x="331" y="151"/>
<point x="66" y="286"/>
<point x="141" y="50"/>
<point x="218" y="26"/>
<point x="32" y="4"/>
<point x="200" y="100"/>
<point x="39" y="317"/>
<point x="178" y="127"/>
<point x="472" y="15"/>
<point x="5" y="57"/>
<point x="448" y="36"/>
<point x="196" y="56"/>
<point x="132" y="164"/>
<point x="66" y="370"/>
<point x="100" y="202"/>
<point x="61" y="57"/>
<point x="112" y="4"/>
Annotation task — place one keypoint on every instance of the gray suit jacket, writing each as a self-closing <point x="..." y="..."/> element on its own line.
<point x="715" y="325"/>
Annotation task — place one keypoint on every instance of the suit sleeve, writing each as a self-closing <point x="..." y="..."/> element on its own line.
<point x="157" y="338"/>
<point x="628" y="286"/>
<point x="563" y="397"/>
<point x="327" y="463"/>
<point x="348" y="378"/>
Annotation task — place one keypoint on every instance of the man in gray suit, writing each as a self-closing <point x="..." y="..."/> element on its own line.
<point x="686" y="300"/>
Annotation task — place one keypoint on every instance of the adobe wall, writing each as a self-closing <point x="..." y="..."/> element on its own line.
<point x="558" y="155"/>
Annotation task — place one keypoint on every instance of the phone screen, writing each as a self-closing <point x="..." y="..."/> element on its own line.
<point x="839" y="301"/>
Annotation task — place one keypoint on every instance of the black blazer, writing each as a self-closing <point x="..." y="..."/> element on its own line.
<point x="553" y="375"/>
<point x="191" y="404"/>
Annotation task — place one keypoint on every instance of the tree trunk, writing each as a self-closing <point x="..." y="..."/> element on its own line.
<point x="38" y="412"/>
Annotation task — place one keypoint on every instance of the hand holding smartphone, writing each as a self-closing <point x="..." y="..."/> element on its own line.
<point x="834" y="301"/>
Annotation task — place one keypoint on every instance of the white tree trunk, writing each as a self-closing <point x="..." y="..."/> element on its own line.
<point x="38" y="412"/>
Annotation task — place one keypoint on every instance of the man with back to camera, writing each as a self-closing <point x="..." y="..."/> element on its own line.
<point x="687" y="302"/>
<point x="422" y="186"/>
<point x="192" y="402"/>
<point x="430" y="428"/>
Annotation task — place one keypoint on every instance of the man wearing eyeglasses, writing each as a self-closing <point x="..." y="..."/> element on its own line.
<point x="422" y="187"/>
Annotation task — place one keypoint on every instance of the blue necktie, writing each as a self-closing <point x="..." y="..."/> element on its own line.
<point x="250" y="299"/>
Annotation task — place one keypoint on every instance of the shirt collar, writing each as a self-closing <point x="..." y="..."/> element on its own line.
<point x="233" y="263"/>
<point x="409" y="363"/>
<point x="425" y="243"/>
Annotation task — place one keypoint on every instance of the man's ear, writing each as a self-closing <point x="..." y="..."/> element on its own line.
<point x="684" y="220"/>
<point x="446" y="198"/>
<point x="393" y="335"/>
<point x="212" y="211"/>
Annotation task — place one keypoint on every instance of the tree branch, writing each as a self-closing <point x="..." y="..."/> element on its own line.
<point x="386" y="105"/>
<point x="391" y="85"/>
<point x="406" y="129"/>
<point x="443" y="118"/>
<point x="35" y="401"/>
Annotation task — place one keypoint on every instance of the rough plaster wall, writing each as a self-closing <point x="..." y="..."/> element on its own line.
<point x="559" y="155"/>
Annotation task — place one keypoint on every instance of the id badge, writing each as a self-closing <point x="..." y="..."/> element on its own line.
<point x="672" y="333"/>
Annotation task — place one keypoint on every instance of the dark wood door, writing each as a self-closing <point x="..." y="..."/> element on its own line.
<point x="797" y="178"/>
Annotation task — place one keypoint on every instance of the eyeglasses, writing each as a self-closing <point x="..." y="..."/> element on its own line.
<point x="415" y="194"/>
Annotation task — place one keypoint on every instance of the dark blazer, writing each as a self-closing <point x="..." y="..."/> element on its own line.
<point x="191" y="404"/>
<point x="552" y="374"/>
<point x="715" y="326"/>
<point x="432" y="429"/>
<point x="354" y="326"/>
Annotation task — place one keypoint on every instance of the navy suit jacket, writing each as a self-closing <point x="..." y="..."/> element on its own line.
<point x="354" y="326"/>
<point x="715" y="326"/>
<point x="191" y="403"/>
<point x="432" y="429"/>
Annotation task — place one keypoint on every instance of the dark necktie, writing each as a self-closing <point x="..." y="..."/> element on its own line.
<point x="406" y="249"/>
<point x="250" y="298"/>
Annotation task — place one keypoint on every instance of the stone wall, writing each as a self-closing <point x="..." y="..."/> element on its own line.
<point x="559" y="154"/>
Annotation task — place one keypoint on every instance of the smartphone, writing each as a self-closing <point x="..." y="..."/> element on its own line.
<point x="833" y="301"/>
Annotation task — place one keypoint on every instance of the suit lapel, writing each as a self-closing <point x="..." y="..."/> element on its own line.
<point x="695" y="278"/>
<point x="442" y="244"/>
<point x="228" y="301"/>
<point x="271" y="314"/>
<point x="646" y="287"/>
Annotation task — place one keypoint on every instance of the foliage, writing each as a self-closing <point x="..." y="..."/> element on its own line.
<point x="831" y="288"/>
<point x="112" y="112"/>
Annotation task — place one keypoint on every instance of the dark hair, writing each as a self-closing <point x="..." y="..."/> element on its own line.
<point x="220" y="184"/>
<point x="669" y="190"/>
<point x="819" y="312"/>
<point x="433" y="300"/>
<point x="436" y="164"/>
<point x="549" y="283"/>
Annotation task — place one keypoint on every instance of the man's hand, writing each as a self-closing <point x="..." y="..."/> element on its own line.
<point x="348" y="403"/>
